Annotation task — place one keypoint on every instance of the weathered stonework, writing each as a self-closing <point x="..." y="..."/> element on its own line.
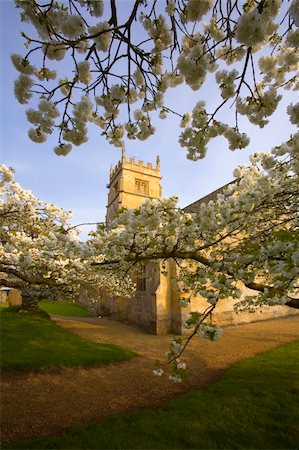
<point x="3" y="297"/>
<point x="155" y="306"/>
<point x="225" y="315"/>
<point x="15" y="297"/>
<point x="131" y="183"/>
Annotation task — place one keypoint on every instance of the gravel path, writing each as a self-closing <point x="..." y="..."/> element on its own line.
<point x="52" y="401"/>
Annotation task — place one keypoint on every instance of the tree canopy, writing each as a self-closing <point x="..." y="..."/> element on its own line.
<point x="41" y="253"/>
<point x="90" y="61"/>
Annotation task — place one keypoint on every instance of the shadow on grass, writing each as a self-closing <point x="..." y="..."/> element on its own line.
<point x="255" y="405"/>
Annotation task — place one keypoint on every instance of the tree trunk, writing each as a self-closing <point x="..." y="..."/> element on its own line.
<point x="29" y="304"/>
<point x="293" y="303"/>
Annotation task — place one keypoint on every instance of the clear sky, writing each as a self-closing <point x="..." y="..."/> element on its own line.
<point x="78" y="182"/>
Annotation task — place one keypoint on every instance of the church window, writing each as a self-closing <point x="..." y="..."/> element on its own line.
<point x="141" y="279"/>
<point x="141" y="187"/>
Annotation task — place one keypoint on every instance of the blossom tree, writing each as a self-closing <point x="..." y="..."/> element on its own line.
<point x="86" y="64"/>
<point x="248" y="234"/>
<point x="89" y="61"/>
<point x="40" y="251"/>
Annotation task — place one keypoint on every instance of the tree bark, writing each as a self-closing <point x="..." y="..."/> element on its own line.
<point x="293" y="303"/>
<point x="29" y="304"/>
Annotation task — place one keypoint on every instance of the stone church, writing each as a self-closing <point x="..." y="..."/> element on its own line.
<point x="155" y="306"/>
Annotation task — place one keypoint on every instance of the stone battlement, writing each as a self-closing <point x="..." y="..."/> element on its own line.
<point x="131" y="163"/>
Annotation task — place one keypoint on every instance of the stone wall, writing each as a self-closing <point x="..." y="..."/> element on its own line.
<point x="157" y="309"/>
<point x="89" y="304"/>
<point x="124" y="185"/>
<point x="3" y="297"/>
<point x="139" y="310"/>
<point x="15" y="297"/>
<point x="225" y="314"/>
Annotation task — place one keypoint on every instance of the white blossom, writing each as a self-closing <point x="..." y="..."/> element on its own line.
<point x="293" y="111"/>
<point x="262" y="107"/>
<point x="21" y="88"/>
<point x="193" y="62"/>
<point x="226" y="80"/>
<point x="196" y="9"/>
<point x="84" y="74"/>
<point x="37" y="135"/>
<point x="292" y="39"/>
<point x="22" y="65"/>
<point x="170" y="7"/>
<point x="294" y="12"/>
<point x="73" y="26"/>
<point x="103" y="40"/>
<point x="81" y="115"/>
<point x="210" y="332"/>
<point x="63" y="149"/>
<point x="175" y="378"/>
<point x="180" y="365"/>
<point x="254" y="27"/>
<point x="159" y="31"/>
<point x="54" y="50"/>
<point x="214" y="31"/>
<point x="176" y="346"/>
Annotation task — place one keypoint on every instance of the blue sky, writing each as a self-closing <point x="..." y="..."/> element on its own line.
<point x="78" y="181"/>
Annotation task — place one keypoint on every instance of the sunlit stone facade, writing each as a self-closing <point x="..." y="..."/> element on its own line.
<point x="155" y="306"/>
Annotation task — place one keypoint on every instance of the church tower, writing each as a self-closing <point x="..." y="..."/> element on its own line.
<point x="131" y="183"/>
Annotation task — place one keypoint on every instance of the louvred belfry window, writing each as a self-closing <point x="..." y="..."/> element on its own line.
<point x="141" y="187"/>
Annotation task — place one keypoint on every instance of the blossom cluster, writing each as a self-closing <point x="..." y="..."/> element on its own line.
<point x="202" y="130"/>
<point x="95" y="7"/>
<point x="226" y="80"/>
<point x="257" y="25"/>
<point x="253" y="210"/>
<point x="193" y="62"/>
<point x="101" y="35"/>
<point x="40" y="251"/>
<point x="54" y="49"/>
<point x="84" y="74"/>
<point x="159" y="31"/>
<point x="43" y="118"/>
<point x="210" y="332"/>
<point x="293" y="111"/>
<point x="22" y="85"/>
<point x="81" y="114"/>
<point x="213" y="30"/>
<point x="257" y="110"/>
<point x="195" y="10"/>
<point x="174" y="48"/>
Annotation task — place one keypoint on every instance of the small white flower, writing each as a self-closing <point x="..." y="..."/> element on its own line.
<point x="175" y="378"/>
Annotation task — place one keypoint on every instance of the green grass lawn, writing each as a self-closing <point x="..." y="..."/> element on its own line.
<point x="255" y="405"/>
<point x="60" y="307"/>
<point x="32" y="342"/>
<point x="63" y="308"/>
<point x="4" y="305"/>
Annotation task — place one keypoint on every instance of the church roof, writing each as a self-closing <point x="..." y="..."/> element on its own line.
<point x="195" y="206"/>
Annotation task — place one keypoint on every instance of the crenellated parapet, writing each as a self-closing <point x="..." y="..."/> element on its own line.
<point x="131" y="182"/>
<point x="135" y="165"/>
